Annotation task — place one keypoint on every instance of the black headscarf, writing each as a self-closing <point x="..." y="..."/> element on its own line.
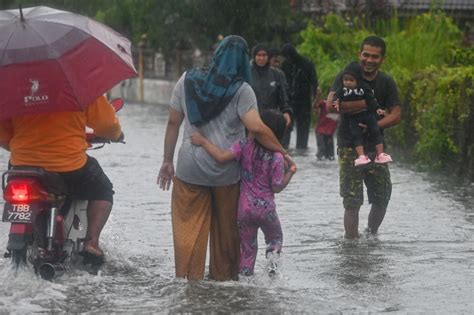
<point x="289" y="52"/>
<point x="255" y="50"/>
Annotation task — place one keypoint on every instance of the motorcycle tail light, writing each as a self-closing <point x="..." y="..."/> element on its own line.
<point x="24" y="190"/>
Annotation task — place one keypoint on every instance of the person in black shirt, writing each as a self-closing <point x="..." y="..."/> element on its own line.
<point x="269" y="84"/>
<point x="354" y="88"/>
<point x="375" y="176"/>
<point x="273" y="57"/>
<point x="303" y="83"/>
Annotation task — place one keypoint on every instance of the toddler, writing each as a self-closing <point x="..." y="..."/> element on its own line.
<point x="354" y="88"/>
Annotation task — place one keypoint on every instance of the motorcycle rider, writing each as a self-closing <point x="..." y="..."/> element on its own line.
<point x="57" y="142"/>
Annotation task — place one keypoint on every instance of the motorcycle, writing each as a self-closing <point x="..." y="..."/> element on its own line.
<point x="48" y="226"/>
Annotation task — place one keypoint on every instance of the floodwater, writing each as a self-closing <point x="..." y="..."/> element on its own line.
<point x="422" y="260"/>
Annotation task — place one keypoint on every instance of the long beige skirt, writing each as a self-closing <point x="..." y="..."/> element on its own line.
<point x="196" y="212"/>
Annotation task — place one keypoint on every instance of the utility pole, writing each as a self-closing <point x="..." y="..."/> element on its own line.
<point x="141" y="72"/>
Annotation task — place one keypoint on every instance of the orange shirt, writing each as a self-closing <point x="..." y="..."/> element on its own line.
<point x="57" y="141"/>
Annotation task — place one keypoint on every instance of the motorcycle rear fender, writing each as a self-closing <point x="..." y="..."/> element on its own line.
<point x="20" y="236"/>
<point x="16" y="242"/>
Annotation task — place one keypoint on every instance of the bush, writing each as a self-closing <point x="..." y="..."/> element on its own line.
<point x="442" y="103"/>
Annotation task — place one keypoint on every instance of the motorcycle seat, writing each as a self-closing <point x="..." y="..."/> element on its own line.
<point x="53" y="182"/>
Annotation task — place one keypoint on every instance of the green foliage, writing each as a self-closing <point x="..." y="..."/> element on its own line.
<point x="255" y="20"/>
<point x="330" y="47"/>
<point x="461" y="56"/>
<point x="85" y="7"/>
<point x="185" y="23"/>
<point x="425" y="40"/>
<point x="197" y="23"/>
<point x="440" y="111"/>
<point x="428" y="39"/>
<point x="115" y="13"/>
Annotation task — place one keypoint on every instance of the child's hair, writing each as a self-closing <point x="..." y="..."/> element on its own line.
<point x="275" y="121"/>
<point x="355" y="70"/>
<point x="277" y="124"/>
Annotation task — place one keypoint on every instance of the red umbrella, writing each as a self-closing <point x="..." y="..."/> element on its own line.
<point x="53" y="60"/>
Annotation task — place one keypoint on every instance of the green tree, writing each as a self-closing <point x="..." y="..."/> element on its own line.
<point x="197" y="23"/>
<point x="86" y="7"/>
<point x="189" y="23"/>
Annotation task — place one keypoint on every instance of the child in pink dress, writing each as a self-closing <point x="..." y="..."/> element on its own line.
<point x="263" y="174"/>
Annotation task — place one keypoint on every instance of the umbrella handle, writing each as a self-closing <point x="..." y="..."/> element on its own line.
<point x="22" y="18"/>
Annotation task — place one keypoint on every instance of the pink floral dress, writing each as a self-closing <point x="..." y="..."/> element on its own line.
<point x="261" y="169"/>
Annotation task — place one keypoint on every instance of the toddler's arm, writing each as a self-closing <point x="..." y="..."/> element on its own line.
<point x="286" y="179"/>
<point x="347" y="107"/>
<point x="217" y="153"/>
<point x="381" y="112"/>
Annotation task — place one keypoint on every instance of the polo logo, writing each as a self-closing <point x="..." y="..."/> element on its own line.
<point x="34" y="99"/>
<point x="34" y="86"/>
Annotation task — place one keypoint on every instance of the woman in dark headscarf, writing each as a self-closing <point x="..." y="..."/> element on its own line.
<point x="269" y="83"/>
<point x="219" y="103"/>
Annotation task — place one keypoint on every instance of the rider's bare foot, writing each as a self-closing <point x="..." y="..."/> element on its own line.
<point x="93" y="249"/>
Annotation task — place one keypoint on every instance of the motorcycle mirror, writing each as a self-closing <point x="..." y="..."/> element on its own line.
<point x="117" y="104"/>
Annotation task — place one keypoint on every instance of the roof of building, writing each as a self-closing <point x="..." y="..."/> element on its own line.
<point x="404" y="5"/>
<point x="427" y="4"/>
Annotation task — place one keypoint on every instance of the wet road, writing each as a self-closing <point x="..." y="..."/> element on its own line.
<point x="422" y="260"/>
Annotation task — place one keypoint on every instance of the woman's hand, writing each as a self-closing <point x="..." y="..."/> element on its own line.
<point x="289" y="163"/>
<point x="166" y="175"/>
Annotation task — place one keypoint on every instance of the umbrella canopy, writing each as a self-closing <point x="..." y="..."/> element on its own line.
<point x="53" y="60"/>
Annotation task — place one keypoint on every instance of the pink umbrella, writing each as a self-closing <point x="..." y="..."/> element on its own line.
<point x="53" y="60"/>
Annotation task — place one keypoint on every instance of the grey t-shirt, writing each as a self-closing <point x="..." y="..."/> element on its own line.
<point x="194" y="165"/>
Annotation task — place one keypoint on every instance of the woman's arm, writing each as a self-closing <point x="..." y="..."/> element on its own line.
<point x="263" y="134"/>
<point x="166" y="173"/>
<point x="286" y="180"/>
<point x="217" y="153"/>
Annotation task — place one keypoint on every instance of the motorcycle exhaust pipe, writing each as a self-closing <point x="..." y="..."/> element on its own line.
<point x="48" y="271"/>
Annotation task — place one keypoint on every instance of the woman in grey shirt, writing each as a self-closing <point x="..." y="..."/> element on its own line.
<point x="219" y="103"/>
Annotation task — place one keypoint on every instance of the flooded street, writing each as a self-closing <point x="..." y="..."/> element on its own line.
<point x="422" y="260"/>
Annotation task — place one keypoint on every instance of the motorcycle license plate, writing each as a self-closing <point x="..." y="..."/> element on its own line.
<point x="18" y="213"/>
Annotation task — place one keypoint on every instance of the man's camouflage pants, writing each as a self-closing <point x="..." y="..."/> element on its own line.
<point x="351" y="178"/>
